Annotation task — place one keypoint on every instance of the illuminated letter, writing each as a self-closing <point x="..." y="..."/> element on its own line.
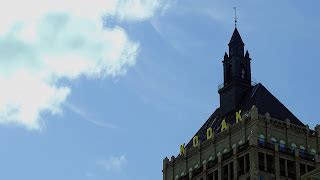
<point x="195" y="141"/>
<point x="238" y="116"/>
<point x="209" y="133"/>
<point x="182" y="149"/>
<point x="224" y="125"/>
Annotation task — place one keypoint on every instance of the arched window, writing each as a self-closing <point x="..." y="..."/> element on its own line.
<point x="225" y="150"/>
<point x="243" y="72"/>
<point x="302" y="149"/>
<point x="273" y="140"/>
<point x="293" y="146"/>
<point x="240" y="142"/>
<point x="282" y="145"/>
<point x="262" y="139"/>
<point x="229" y="72"/>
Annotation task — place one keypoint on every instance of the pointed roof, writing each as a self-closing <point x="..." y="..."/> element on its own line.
<point x="236" y="38"/>
<point x="266" y="102"/>
<point x="259" y="96"/>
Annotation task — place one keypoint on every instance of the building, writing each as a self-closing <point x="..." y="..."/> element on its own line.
<point x="252" y="135"/>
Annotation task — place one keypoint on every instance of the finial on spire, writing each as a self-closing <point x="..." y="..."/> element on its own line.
<point x="235" y="17"/>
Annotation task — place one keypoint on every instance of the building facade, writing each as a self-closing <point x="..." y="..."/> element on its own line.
<point x="252" y="135"/>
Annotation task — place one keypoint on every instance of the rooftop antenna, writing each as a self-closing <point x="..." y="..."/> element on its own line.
<point x="235" y="17"/>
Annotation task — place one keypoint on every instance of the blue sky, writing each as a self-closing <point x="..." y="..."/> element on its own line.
<point x="86" y="99"/>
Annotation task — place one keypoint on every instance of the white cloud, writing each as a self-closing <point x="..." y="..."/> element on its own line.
<point x="114" y="163"/>
<point x="42" y="42"/>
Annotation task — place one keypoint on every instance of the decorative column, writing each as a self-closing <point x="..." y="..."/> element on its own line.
<point x="253" y="141"/>
<point x="219" y="166"/>
<point x="254" y="164"/>
<point x="287" y="131"/>
<point x="296" y="159"/>
<point x="317" y="129"/>
<point x="253" y="134"/>
<point x="165" y="165"/>
<point x="190" y="173"/>
<point x="268" y="117"/>
<point x="307" y="135"/>
<point x="277" y="162"/>
<point x="204" y="164"/>
<point x="254" y="113"/>
<point x="172" y="166"/>
<point x="235" y="164"/>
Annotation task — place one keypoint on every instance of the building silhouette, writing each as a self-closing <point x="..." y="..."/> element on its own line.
<point x="252" y="135"/>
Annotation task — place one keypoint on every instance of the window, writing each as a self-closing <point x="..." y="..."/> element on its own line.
<point x="261" y="161"/>
<point x="270" y="163"/>
<point x="282" y="167"/>
<point x="216" y="175"/>
<point x="293" y="147"/>
<point x="210" y="176"/>
<point x="261" y="139"/>
<point x="302" y="169"/>
<point x="282" y="146"/>
<point x="243" y="71"/>
<point x="225" y="172"/>
<point x="231" y="170"/>
<point x="302" y="151"/>
<point x="247" y="163"/>
<point x="291" y="169"/>
<point x="241" y="166"/>
<point x="229" y="73"/>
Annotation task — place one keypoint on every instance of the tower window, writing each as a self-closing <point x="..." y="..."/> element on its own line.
<point x="243" y="72"/>
<point x="229" y="73"/>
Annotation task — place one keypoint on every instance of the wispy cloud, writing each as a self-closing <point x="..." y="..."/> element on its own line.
<point x="89" y="175"/>
<point x="114" y="163"/>
<point x="86" y="117"/>
<point x="61" y="40"/>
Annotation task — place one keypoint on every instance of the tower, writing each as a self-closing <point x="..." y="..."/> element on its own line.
<point x="237" y="74"/>
<point x="252" y="135"/>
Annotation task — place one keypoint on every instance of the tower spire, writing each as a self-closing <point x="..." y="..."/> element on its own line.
<point x="235" y="17"/>
<point x="237" y="74"/>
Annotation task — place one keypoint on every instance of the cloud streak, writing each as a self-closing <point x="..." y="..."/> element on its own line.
<point x="85" y="116"/>
<point x="114" y="163"/>
<point x="57" y="41"/>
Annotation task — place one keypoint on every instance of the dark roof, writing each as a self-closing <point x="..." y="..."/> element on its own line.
<point x="259" y="96"/>
<point x="266" y="102"/>
<point x="236" y="38"/>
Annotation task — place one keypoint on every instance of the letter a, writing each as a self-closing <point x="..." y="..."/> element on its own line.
<point x="224" y="125"/>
